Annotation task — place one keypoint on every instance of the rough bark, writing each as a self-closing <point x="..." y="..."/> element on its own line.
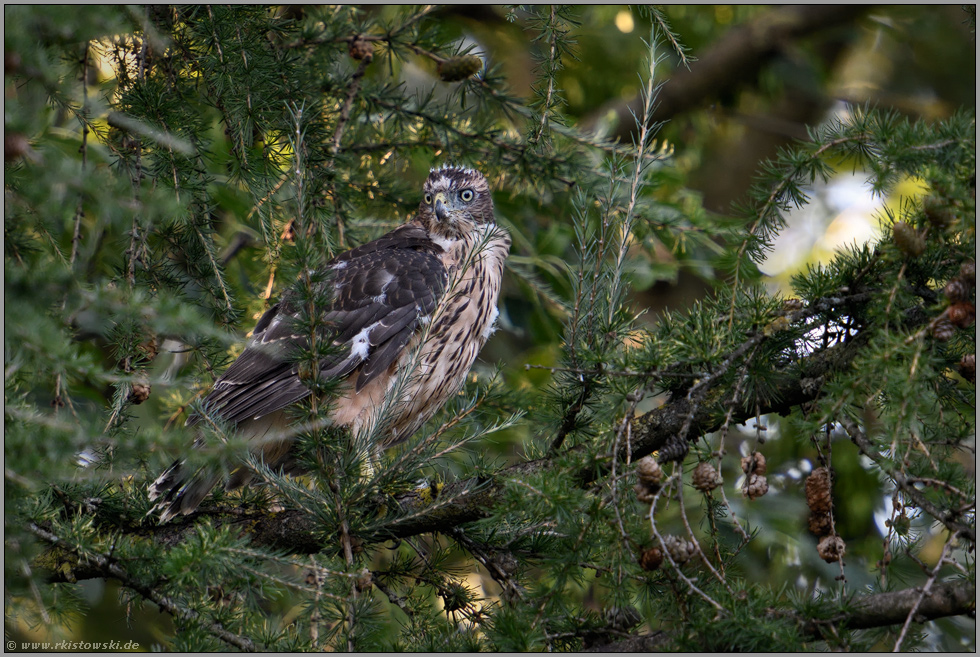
<point x="877" y="610"/>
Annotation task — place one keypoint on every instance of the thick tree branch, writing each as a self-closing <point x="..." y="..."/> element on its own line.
<point x="891" y="608"/>
<point x="877" y="610"/>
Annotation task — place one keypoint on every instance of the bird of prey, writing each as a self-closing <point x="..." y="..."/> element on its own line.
<point x="409" y="312"/>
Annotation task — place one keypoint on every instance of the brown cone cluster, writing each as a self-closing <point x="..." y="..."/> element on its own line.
<point x="819" y="524"/>
<point x="820" y="502"/>
<point x="679" y="549"/>
<point x="960" y="312"/>
<point x="361" y="49"/>
<point x="651" y="558"/>
<point x="705" y="478"/>
<point x="968" y="272"/>
<point x="907" y="239"/>
<point x="650" y="477"/>
<point x="140" y="392"/>
<point x="938" y="213"/>
<point x="831" y="548"/>
<point x="818" y="497"/>
<point x="756" y="485"/>
<point x="456" y="69"/>
<point x="942" y="329"/>
<point x="957" y="290"/>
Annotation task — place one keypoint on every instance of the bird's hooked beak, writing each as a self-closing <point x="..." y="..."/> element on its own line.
<point x="442" y="212"/>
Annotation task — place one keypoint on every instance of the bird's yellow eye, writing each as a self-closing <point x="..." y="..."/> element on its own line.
<point x="428" y="199"/>
<point x="466" y="195"/>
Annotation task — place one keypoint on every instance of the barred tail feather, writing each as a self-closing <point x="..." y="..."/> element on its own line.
<point x="165" y="482"/>
<point x="178" y="494"/>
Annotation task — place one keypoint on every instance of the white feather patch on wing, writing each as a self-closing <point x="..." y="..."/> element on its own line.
<point x="361" y="343"/>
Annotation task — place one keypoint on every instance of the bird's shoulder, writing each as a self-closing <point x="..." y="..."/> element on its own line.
<point x="411" y="237"/>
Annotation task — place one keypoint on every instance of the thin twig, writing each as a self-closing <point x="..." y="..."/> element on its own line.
<point x="922" y="595"/>
<point x="551" y="73"/>
<point x="625" y="430"/>
<point x="679" y="49"/>
<point x="740" y="381"/>
<point x="936" y="483"/>
<point x="113" y="570"/>
<point x="663" y="546"/>
<point x="352" y="89"/>
<point x="79" y="213"/>
<point x="483" y="554"/>
<point x="771" y="207"/>
<point x="215" y="267"/>
<point x="315" y="617"/>
<point x="395" y="599"/>
<point x="694" y="540"/>
<point x="868" y="449"/>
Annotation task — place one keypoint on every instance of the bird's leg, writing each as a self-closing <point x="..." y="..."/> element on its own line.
<point x="428" y="490"/>
<point x="425" y="491"/>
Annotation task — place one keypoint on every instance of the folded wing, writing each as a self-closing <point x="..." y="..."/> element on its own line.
<point x="381" y="294"/>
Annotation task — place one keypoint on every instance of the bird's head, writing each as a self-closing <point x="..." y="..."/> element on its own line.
<point x="455" y="202"/>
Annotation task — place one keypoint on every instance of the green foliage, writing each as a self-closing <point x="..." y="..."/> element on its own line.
<point x="171" y="171"/>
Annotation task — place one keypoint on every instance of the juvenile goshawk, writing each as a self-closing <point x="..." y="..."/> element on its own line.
<point x="422" y="298"/>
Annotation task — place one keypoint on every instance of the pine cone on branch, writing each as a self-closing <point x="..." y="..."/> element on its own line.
<point x="755" y="486"/>
<point x="831" y="548"/>
<point x="705" y="478"/>
<point x="818" y="491"/>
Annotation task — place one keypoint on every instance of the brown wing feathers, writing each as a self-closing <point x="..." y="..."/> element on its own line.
<point x="380" y="290"/>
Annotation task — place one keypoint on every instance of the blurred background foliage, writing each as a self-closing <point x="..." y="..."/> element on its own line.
<point x="227" y="151"/>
